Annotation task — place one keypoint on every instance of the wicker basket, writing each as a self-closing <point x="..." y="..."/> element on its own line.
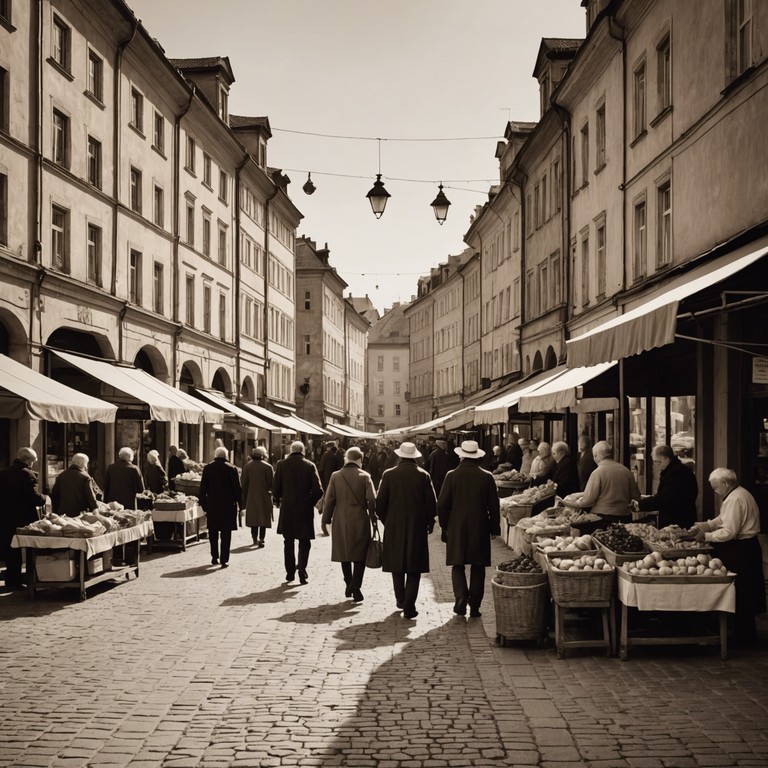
<point x="520" y="611"/>
<point x="580" y="586"/>
<point x="515" y="514"/>
<point x="511" y="579"/>
<point x="618" y="558"/>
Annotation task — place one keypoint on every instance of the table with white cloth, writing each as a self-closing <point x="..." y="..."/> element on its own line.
<point x="190" y="524"/>
<point x="86" y="549"/>
<point x="698" y="594"/>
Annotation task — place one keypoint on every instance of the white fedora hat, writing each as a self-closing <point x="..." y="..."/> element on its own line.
<point x="408" y="451"/>
<point x="469" y="449"/>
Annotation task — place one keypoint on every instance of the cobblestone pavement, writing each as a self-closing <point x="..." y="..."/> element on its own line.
<point x="192" y="665"/>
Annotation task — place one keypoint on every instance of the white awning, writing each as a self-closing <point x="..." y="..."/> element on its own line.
<point x="348" y="431"/>
<point x="653" y="322"/>
<point x="497" y="411"/>
<point x="165" y="403"/>
<point x="24" y="391"/>
<point x="428" y="426"/>
<point x="562" y="391"/>
<point x="300" y="425"/>
<point x="277" y="418"/>
<point x="337" y="430"/>
<point x="234" y="410"/>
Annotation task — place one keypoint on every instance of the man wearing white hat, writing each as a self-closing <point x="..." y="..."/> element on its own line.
<point x="468" y="509"/>
<point x="406" y="505"/>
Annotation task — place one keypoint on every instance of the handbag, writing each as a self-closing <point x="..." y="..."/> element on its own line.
<point x="375" y="550"/>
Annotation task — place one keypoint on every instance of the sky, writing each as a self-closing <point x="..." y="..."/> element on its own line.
<point x="377" y="73"/>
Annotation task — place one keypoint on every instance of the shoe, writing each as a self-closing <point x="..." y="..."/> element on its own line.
<point x="460" y="608"/>
<point x="255" y="543"/>
<point x="474" y="613"/>
<point x="303" y="577"/>
<point x="290" y="576"/>
<point x="214" y="561"/>
<point x="225" y="565"/>
<point x="261" y="543"/>
<point x="348" y="591"/>
<point x="410" y="614"/>
<point x="357" y="596"/>
<point x="399" y="604"/>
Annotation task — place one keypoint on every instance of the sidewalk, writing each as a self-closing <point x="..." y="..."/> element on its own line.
<point x="191" y="665"/>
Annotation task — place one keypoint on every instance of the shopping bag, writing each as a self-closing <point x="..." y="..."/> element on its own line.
<point x="375" y="550"/>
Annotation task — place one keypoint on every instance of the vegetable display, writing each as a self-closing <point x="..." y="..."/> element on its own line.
<point x="522" y="564"/>
<point x="617" y="538"/>
<point x="654" y="564"/>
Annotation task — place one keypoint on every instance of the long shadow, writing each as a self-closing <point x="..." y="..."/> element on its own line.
<point x="188" y="573"/>
<point x="320" y="614"/>
<point x="375" y="634"/>
<point x="245" y="548"/>
<point x="274" y="595"/>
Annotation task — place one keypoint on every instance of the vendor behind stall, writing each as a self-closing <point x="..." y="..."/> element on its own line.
<point x="154" y="475"/>
<point x="675" y="499"/>
<point x="734" y="535"/>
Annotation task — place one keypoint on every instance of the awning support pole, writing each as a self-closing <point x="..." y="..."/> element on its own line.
<point x="623" y="425"/>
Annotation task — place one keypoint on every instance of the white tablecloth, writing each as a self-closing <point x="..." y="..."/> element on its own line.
<point x="677" y="597"/>
<point x="177" y="515"/>
<point x="91" y="546"/>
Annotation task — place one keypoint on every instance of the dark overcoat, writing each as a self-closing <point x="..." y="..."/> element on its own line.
<point x="565" y="473"/>
<point x="350" y="508"/>
<point x="20" y="499"/>
<point x="257" y="493"/>
<point x="220" y="494"/>
<point x="407" y="506"/>
<point x="175" y="466"/>
<point x="513" y="454"/>
<point x="72" y="493"/>
<point x="587" y="466"/>
<point x="296" y="488"/>
<point x="468" y="509"/>
<point x="675" y="498"/>
<point x="122" y="482"/>
<point x="155" y="478"/>
<point x="331" y="461"/>
<point x="438" y="467"/>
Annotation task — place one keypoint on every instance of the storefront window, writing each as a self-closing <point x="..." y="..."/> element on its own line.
<point x="682" y="418"/>
<point x="637" y="439"/>
<point x="65" y="440"/>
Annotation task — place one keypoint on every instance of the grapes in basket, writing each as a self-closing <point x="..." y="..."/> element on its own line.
<point x="618" y="539"/>
<point x="522" y="564"/>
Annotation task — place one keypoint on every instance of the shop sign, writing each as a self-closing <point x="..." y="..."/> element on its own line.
<point x="760" y="370"/>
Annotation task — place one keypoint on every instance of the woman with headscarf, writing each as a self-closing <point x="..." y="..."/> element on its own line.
<point x="155" y="478"/>
<point x="349" y="509"/>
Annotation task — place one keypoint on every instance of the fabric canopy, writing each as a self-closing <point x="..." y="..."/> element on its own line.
<point x="24" y="391"/>
<point x="292" y="421"/>
<point x="274" y="417"/>
<point x="428" y="426"/>
<point x="562" y="391"/>
<point x="347" y="431"/>
<point x="165" y="403"/>
<point x="234" y="410"/>
<point x="653" y="322"/>
<point x="496" y="411"/>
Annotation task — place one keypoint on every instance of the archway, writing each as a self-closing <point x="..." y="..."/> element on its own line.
<point x="221" y="381"/>
<point x="550" y="359"/>
<point x="248" y="390"/>
<point x="190" y="376"/>
<point x="150" y="359"/>
<point x="13" y="338"/>
<point x="538" y="365"/>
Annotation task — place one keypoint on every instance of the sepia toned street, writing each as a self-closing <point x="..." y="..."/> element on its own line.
<point x="192" y="665"/>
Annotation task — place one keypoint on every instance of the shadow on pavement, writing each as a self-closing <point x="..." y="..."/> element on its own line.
<point x="274" y="595"/>
<point x="321" y="614"/>
<point x="185" y="573"/>
<point x="358" y="637"/>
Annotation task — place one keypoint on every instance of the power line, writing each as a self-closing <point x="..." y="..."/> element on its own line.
<point x="381" y="138"/>
<point x="447" y="183"/>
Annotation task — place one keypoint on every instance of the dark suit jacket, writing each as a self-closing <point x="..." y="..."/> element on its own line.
<point x="587" y="466"/>
<point x="296" y="488"/>
<point x="675" y="498"/>
<point x="220" y="494"/>
<point x="72" y="493"/>
<point x="513" y="454"/>
<point x="20" y="498"/>
<point x="155" y="478"/>
<point x="122" y="482"/>
<point x="566" y="474"/>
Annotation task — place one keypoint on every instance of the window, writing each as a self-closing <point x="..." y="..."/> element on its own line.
<point x="135" y="190"/>
<point x="207" y="308"/>
<point x="554" y="278"/>
<point x="380" y="410"/>
<point x="3" y="209"/>
<point x="639" y="242"/>
<point x="223" y="184"/>
<point x="585" y="268"/>
<point x="191" y="223"/>
<point x="396" y="388"/>
<point x="61" y="43"/>
<point x="544" y="286"/>
<point x="137" y="110"/>
<point x="600" y="137"/>
<point x="307" y="300"/>
<point x="190" y="300"/>
<point x="4" y="102"/>
<point x="5" y="10"/>
<point x="557" y="191"/>
<point x="158" y="133"/>
<point x="134" y="277"/>
<point x="206" y="169"/>
<point x="223" y="316"/>
<point x="639" y="114"/>
<point x="94" y="162"/>
<point x="223" y="104"/>
<point x="664" y="225"/>
<point x="60" y="238"/>
<point x="206" y="233"/>
<point x="380" y="362"/>
<point x="158" y="288"/>
<point x="60" y="138"/>
<point x="94" y="254"/>
<point x="396" y="363"/>
<point x="222" y="244"/>
<point x="530" y="294"/>
<point x="189" y="159"/>
<point x="307" y="344"/>
<point x="536" y="207"/>
<point x="743" y="35"/>
<point x="159" y="206"/>
<point x="664" y="74"/>
<point x="95" y="76"/>
<point x="585" y="154"/>
<point x="380" y="387"/>
<point x="600" y="256"/>
<point x="397" y="409"/>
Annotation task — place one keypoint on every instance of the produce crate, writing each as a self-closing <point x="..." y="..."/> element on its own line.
<point x="542" y="557"/>
<point x="579" y="586"/>
<point x="171" y="506"/>
<point x="520" y="611"/>
<point x="547" y="533"/>
<point x="59" y="566"/>
<point x="516" y="513"/>
<point x="635" y="579"/>
<point x="619" y="558"/>
<point x="190" y="487"/>
<point x="512" y="579"/>
<point x="701" y="549"/>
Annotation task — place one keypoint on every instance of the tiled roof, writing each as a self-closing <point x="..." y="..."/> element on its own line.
<point x="243" y="121"/>
<point x="562" y="44"/>
<point x="392" y="327"/>
<point x="201" y="63"/>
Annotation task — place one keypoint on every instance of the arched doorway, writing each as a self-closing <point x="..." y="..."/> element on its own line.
<point x="13" y="344"/>
<point x="222" y="382"/>
<point x="189" y="434"/>
<point x="153" y="434"/>
<point x="248" y="390"/>
<point x="550" y="359"/>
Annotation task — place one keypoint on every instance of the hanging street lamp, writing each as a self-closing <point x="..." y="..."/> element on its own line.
<point x="308" y="187"/>
<point x="378" y="197"/>
<point x="440" y="206"/>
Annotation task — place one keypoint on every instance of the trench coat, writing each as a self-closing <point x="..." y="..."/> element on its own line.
<point x="296" y="488"/>
<point x="72" y="493"/>
<point x="155" y="478"/>
<point x="468" y="509"/>
<point x="407" y="506"/>
<point x="350" y="508"/>
<point x="438" y="467"/>
<point x="220" y="494"/>
<point x="122" y="482"/>
<point x="257" y="493"/>
<point x="18" y="489"/>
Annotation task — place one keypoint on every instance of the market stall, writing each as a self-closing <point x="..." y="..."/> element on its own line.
<point x="179" y="517"/>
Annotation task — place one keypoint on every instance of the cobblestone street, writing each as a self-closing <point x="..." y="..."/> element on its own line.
<point x="191" y="665"/>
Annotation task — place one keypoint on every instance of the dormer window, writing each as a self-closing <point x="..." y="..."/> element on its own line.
<point x="262" y="159"/>
<point x="544" y="92"/>
<point x="223" y="104"/>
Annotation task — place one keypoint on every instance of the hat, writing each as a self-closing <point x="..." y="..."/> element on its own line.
<point x="441" y="443"/>
<point x="469" y="449"/>
<point x="408" y="451"/>
<point x="523" y="442"/>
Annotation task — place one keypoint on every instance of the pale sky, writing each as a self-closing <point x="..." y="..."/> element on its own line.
<point x="414" y="69"/>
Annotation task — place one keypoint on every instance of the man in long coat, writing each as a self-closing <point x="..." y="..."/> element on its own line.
<point x="406" y="505"/>
<point x="123" y="480"/>
<point x="72" y="493"/>
<point x="468" y="509"/>
<point x="296" y="488"/>
<point x="18" y="490"/>
<point x="438" y="465"/>
<point x="220" y="495"/>
<point x="257" y="494"/>
<point x="331" y="461"/>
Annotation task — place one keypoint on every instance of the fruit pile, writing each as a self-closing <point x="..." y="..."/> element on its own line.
<point x="655" y="565"/>
<point x="617" y="538"/>
<point x="585" y="563"/>
<point x="672" y="537"/>
<point x="533" y="495"/>
<point x="564" y="543"/>
<point x="522" y="564"/>
<point x="510" y="474"/>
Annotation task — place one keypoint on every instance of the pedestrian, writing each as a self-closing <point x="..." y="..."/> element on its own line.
<point x="155" y="477"/>
<point x="296" y="488"/>
<point x="72" y="493"/>
<point x="734" y="536"/>
<point x="21" y="499"/>
<point x="675" y="498"/>
<point x="468" y="510"/>
<point x="331" y="461"/>
<point x="513" y="453"/>
<point x="123" y="480"/>
<point x="350" y="509"/>
<point x="586" y="460"/>
<point x="563" y="471"/>
<point x="175" y="464"/>
<point x="407" y="506"/>
<point x="257" y="480"/>
<point x="437" y="466"/>
<point x="377" y="463"/>
<point x="220" y="496"/>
